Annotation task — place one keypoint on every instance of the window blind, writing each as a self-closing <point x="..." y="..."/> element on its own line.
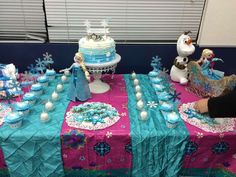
<point x="128" y="20"/>
<point x="22" y="21"/>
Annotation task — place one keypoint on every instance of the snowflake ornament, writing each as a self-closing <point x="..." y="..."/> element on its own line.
<point x="32" y="69"/>
<point x="156" y="63"/>
<point x="40" y="65"/>
<point x="47" y="59"/>
<point x="152" y="104"/>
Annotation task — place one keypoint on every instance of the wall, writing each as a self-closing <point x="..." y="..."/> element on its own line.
<point x="134" y="57"/>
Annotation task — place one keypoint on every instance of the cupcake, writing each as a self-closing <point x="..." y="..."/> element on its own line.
<point x="14" y="120"/>
<point x="158" y="88"/>
<point x="164" y="96"/>
<point x="22" y="108"/>
<point x="37" y="89"/>
<point x="166" y="107"/>
<point x="51" y="74"/>
<point x="172" y="120"/>
<point x="156" y="80"/>
<point x="153" y="74"/>
<point x="43" y="80"/>
<point x="30" y="97"/>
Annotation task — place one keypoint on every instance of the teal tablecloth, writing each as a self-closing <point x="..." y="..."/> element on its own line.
<point x="157" y="150"/>
<point x="35" y="148"/>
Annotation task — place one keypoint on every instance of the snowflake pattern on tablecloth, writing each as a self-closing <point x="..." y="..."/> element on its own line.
<point x="152" y="104"/>
<point x="74" y="139"/>
<point x="128" y="147"/>
<point x="220" y="148"/>
<point x="102" y="148"/>
<point x="204" y="122"/>
<point x="191" y="148"/>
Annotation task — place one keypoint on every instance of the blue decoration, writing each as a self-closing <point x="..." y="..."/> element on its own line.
<point x="175" y="95"/>
<point x="32" y="69"/>
<point x="191" y="148"/>
<point x="93" y="112"/>
<point x="156" y="63"/>
<point x="47" y="59"/>
<point x="205" y="119"/>
<point x="220" y="148"/>
<point x="102" y="148"/>
<point x="40" y="65"/>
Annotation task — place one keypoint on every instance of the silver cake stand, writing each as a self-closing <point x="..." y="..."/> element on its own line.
<point x="97" y="69"/>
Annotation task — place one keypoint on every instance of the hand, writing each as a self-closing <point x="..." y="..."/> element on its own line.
<point x="87" y="75"/>
<point x="202" y="105"/>
<point x="63" y="70"/>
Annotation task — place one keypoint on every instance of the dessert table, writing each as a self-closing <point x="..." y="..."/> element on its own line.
<point x="130" y="147"/>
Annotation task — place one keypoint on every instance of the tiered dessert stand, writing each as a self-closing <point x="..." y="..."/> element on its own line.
<point x="97" y="69"/>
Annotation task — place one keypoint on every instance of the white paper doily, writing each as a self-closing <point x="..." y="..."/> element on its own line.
<point x="221" y="125"/>
<point x="108" y="121"/>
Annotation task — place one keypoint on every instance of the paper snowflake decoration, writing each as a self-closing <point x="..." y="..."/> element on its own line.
<point x="152" y="104"/>
<point x="32" y="69"/>
<point x="40" y="65"/>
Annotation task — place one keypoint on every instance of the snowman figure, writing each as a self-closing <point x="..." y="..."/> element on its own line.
<point x="178" y="72"/>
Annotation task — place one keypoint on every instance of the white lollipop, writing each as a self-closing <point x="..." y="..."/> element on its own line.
<point x="55" y="96"/>
<point x="143" y="115"/>
<point x="49" y="106"/>
<point x="44" y="116"/>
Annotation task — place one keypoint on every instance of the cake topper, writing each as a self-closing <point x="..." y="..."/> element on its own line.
<point x="96" y="33"/>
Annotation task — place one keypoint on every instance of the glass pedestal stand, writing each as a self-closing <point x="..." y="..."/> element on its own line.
<point x="97" y="69"/>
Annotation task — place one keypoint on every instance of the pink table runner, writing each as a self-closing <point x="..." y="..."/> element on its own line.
<point x="101" y="149"/>
<point x="205" y="149"/>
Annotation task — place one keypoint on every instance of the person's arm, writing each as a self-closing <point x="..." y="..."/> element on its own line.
<point x="67" y="69"/>
<point x="223" y="106"/>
